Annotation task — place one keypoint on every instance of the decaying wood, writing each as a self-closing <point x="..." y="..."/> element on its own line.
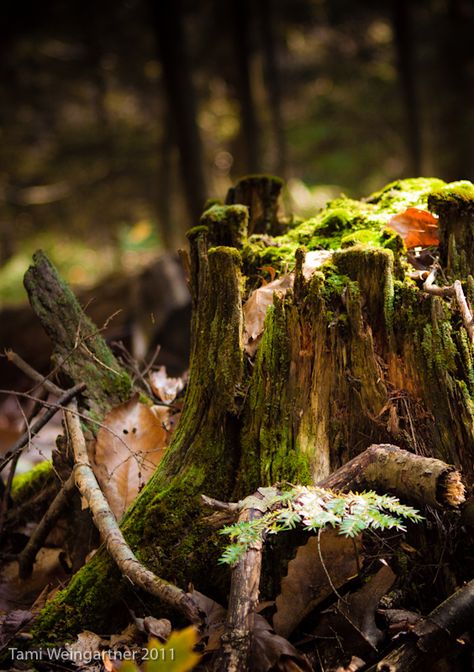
<point x="433" y="637"/>
<point x="243" y="600"/>
<point x="110" y="532"/>
<point x="384" y="467"/>
<point x="80" y="352"/>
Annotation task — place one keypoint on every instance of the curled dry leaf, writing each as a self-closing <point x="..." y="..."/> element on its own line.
<point x="307" y="583"/>
<point x="418" y="228"/>
<point x="165" y="388"/>
<point x="128" y="448"/>
<point x="256" y="306"/>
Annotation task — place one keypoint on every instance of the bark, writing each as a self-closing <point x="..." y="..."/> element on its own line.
<point x="355" y="355"/>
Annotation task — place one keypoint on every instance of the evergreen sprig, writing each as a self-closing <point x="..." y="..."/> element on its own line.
<point x="315" y="508"/>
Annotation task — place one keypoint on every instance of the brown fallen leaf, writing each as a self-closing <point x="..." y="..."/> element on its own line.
<point x="256" y="306"/>
<point x="359" y="607"/>
<point x="307" y="584"/>
<point x="165" y="388"/>
<point x="128" y="448"/>
<point x="270" y="651"/>
<point x="418" y="228"/>
<point x="259" y="301"/>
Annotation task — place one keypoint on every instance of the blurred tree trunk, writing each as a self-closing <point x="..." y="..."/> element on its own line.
<point x="455" y="96"/>
<point x="266" y="11"/>
<point x="404" y="41"/>
<point x="168" y="18"/>
<point x="241" y="27"/>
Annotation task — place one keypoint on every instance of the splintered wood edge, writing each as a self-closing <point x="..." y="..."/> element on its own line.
<point x="451" y="489"/>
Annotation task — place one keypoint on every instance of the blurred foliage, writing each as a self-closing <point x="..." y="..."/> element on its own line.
<point x="343" y="95"/>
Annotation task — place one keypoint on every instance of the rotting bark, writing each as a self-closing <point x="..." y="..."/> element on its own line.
<point x="80" y="352"/>
<point x="358" y="354"/>
<point x="385" y="468"/>
<point x="261" y="194"/>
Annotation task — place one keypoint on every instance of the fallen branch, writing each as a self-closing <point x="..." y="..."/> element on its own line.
<point x="28" y="370"/>
<point x="112" y="536"/>
<point x="383" y="467"/>
<point x="234" y="655"/>
<point x="433" y="637"/>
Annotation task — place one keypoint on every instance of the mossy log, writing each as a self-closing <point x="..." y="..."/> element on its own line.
<point x="356" y="354"/>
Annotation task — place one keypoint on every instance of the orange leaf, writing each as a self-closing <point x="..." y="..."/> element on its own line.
<point x="418" y="228"/>
<point x="127" y="451"/>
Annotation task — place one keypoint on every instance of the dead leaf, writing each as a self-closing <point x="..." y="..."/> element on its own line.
<point x="259" y="301"/>
<point x="417" y="228"/>
<point x="129" y="446"/>
<point x="359" y="607"/>
<point x="306" y="584"/>
<point x="256" y="306"/>
<point x="271" y="651"/>
<point x="313" y="260"/>
<point x="165" y="388"/>
<point x="215" y="619"/>
<point x="157" y="627"/>
<point x="86" y="648"/>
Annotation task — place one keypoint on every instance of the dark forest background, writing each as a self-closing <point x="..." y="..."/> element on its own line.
<point x="119" y="118"/>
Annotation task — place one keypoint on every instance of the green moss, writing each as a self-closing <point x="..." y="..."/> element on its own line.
<point x="193" y="233"/>
<point x="26" y="485"/>
<point x="456" y="197"/>
<point x="342" y="223"/>
<point x="372" y="268"/>
<point x="401" y="194"/>
<point x="227" y="224"/>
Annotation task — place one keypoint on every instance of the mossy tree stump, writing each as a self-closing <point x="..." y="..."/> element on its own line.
<point x="356" y="354"/>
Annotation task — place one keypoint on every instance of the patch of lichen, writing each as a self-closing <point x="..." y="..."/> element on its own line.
<point x="25" y="486"/>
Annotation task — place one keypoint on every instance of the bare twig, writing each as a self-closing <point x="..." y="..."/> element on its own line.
<point x="20" y="363"/>
<point x="464" y="309"/>
<point x="27" y="557"/>
<point x="112" y="536"/>
<point x="431" y="288"/>
<point x="64" y="399"/>
<point x="455" y="290"/>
